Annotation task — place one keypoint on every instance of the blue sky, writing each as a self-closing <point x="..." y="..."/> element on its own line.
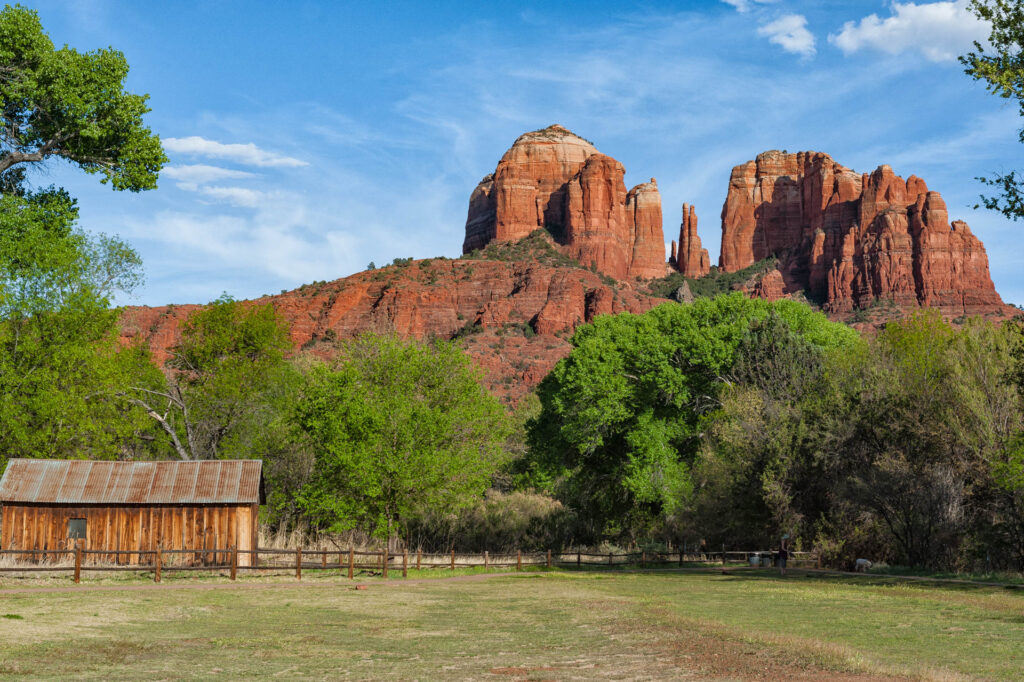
<point x="308" y="139"/>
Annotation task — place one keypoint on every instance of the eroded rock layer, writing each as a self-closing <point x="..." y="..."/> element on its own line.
<point x="514" y="318"/>
<point x="849" y="240"/>
<point x="552" y="179"/>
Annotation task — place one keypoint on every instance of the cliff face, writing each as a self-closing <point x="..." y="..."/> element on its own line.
<point x="552" y="179"/>
<point x="849" y="239"/>
<point x="514" y="317"/>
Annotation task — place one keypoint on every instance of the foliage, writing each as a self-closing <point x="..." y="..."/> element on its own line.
<point x="1001" y="68"/>
<point x="61" y="103"/>
<point x="500" y="521"/>
<point x="59" y="359"/>
<point x="227" y="383"/>
<point x="716" y="282"/>
<point x="395" y="427"/>
<point x="537" y="247"/>
<point x="623" y="415"/>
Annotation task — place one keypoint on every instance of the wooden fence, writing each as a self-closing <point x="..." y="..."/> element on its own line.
<point x="347" y="562"/>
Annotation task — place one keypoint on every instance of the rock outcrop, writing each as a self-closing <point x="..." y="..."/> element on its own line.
<point x="552" y="179"/>
<point x="514" y="318"/>
<point x="689" y="258"/>
<point x="849" y="240"/>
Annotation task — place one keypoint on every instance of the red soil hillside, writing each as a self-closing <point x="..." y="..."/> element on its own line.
<point x="513" y="306"/>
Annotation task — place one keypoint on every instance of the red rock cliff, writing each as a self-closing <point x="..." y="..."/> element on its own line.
<point x="849" y="239"/>
<point x="514" y="317"/>
<point x="556" y="180"/>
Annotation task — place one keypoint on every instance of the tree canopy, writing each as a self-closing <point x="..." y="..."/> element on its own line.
<point x="623" y="415"/>
<point x="1001" y="68"/>
<point x="61" y="103"/>
<point x="397" y="426"/>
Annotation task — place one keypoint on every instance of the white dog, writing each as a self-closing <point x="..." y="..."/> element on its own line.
<point x="863" y="566"/>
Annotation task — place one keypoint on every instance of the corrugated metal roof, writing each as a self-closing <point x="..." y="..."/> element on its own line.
<point x="86" y="482"/>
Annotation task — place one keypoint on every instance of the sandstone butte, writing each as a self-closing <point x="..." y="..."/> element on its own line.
<point x="848" y="240"/>
<point x="553" y="239"/>
<point x="554" y="180"/>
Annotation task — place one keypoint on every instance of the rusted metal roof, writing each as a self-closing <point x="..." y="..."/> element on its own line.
<point x="87" y="482"/>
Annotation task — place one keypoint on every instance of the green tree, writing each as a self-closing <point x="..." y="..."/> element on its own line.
<point x="61" y="103"/>
<point x="60" y="364"/>
<point x="395" y="427"/>
<point x="226" y="384"/>
<point x="1001" y="67"/>
<point x="622" y="417"/>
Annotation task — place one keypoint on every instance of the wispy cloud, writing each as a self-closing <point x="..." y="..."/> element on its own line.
<point x="235" y="196"/>
<point x="198" y="174"/>
<point x="790" y="33"/>
<point x="247" y="154"/>
<point x="745" y="5"/>
<point x="939" y="30"/>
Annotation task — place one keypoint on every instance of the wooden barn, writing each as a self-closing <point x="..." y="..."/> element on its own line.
<point x="131" y="506"/>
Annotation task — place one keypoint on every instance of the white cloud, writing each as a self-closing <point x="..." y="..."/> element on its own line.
<point x="198" y="174"/>
<point x="745" y="5"/>
<point x="939" y="30"/>
<point x="248" y="154"/>
<point x="236" y="196"/>
<point x="790" y="33"/>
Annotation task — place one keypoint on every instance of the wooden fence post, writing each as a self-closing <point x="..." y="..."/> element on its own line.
<point x="298" y="563"/>
<point x="78" y="563"/>
<point x="453" y="559"/>
<point x="351" y="563"/>
<point x="405" y="563"/>
<point x="159" y="563"/>
<point x="384" y="562"/>
<point x="323" y="559"/>
<point x="578" y="558"/>
<point x="723" y="554"/>
<point x="519" y="559"/>
<point x="549" y="558"/>
<point x="611" y="559"/>
<point x="486" y="560"/>
<point x="419" y="555"/>
<point x="680" y="557"/>
<point x="234" y="562"/>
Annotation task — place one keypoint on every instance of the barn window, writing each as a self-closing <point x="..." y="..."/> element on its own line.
<point x="76" y="529"/>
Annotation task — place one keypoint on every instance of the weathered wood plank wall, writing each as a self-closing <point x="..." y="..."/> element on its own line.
<point x="135" y="527"/>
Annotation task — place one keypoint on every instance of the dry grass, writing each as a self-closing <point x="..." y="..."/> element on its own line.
<point x="544" y="625"/>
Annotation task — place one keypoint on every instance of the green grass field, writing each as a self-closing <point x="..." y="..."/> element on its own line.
<point x="541" y="625"/>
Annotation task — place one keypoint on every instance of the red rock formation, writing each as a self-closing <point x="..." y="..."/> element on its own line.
<point x="850" y="239"/>
<point x="553" y="179"/>
<point x="691" y="259"/>
<point x="485" y="302"/>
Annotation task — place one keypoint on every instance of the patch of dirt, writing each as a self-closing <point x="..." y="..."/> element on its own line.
<point x="715" y="654"/>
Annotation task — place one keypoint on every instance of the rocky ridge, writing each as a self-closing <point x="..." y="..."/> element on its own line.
<point x="849" y="240"/>
<point x="513" y="307"/>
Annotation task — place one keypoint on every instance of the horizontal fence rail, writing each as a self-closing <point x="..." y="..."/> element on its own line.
<point x="348" y="561"/>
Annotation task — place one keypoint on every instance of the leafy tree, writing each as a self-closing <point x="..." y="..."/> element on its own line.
<point x="61" y="103"/>
<point x="226" y="383"/>
<point x="1002" y="70"/>
<point x="59" y="359"/>
<point x="395" y="427"/>
<point x="622" y="417"/>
